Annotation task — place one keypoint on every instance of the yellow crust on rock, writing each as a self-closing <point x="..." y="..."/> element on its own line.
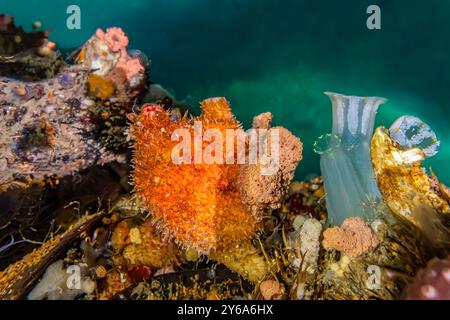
<point x="404" y="184"/>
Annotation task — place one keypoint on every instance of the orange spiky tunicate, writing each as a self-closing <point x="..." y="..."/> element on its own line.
<point x="198" y="204"/>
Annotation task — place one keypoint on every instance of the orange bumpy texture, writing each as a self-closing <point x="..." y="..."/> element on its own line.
<point x="197" y="204"/>
<point x="353" y="238"/>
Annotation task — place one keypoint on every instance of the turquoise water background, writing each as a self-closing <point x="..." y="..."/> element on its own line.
<point x="280" y="56"/>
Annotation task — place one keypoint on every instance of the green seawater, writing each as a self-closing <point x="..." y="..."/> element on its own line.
<point x="280" y="56"/>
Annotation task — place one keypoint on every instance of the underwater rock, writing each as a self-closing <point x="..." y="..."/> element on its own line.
<point x="261" y="191"/>
<point x="431" y="283"/>
<point x="26" y="55"/>
<point x="66" y="79"/>
<point x="353" y="238"/>
<point x="347" y="171"/>
<point x="46" y="134"/>
<point x="411" y="132"/>
<point x="406" y="188"/>
<point x="53" y="130"/>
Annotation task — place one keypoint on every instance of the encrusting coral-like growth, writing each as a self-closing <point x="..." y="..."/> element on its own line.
<point x="198" y="204"/>
<point x="117" y="82"/>
<point x="272" y="290"/>
<point x="142" y="246"/>
<point x="380" y="273"/>
<point x="309" y="244"/>
<point x="115" y="73"/>
<point x="353" y="238"/>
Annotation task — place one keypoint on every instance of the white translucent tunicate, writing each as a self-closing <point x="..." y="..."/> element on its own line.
<point x="411" y="132"/>
<point x="345" y="162"/>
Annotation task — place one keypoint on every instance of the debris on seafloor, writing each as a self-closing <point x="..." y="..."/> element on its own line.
<point x="54" y="284"/>
<point x="138" y="251"/>
<point x="20" y="277"/>
<point x="200" y="204"/>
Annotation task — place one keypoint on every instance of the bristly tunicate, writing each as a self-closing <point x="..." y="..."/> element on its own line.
<point x="411" y="132"/>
